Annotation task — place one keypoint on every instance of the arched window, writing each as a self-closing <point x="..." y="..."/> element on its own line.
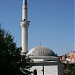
<point x="35" y="72"/>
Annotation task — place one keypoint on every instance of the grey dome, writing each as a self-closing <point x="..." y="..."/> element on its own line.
<point x="41" y="51"/>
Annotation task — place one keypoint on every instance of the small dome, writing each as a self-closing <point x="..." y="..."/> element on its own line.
<point x="41" y="51"/>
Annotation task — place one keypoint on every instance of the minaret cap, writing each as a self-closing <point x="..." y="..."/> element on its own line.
<point x="25" y="2"/>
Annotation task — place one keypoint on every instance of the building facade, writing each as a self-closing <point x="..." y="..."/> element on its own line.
<point x="70" y="57"/>
<point x="45" y="62"/>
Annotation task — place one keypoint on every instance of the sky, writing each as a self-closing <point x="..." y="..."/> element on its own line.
<point x="51" y="23"/>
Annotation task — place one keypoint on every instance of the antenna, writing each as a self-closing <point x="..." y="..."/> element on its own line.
<point x="40" y="43"/>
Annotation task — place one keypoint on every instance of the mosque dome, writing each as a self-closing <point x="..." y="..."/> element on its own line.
<point x="41" y="51"/>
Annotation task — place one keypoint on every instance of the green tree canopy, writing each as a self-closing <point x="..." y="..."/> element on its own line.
<point x="10" y="56"/>
<point x="69" y="69"/>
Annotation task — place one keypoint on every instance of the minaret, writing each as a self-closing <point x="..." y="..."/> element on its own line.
<point x="24" y="26"/>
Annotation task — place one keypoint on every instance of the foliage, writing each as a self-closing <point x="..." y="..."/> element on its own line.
<point x="10" y="55"/>
<point x="25" y="64"/>
<point x="69" y="69"/>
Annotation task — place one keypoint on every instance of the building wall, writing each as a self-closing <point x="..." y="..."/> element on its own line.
<point x="62" y="58"/>
<point x="48" y="70"/>
<point x="60" y="69"/>
<point x="72" y="56"/>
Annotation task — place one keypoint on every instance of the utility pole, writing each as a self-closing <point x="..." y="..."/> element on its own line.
<point x="43" y="69"/>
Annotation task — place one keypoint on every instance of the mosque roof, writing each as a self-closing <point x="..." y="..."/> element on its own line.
<point x="41" y="51"/>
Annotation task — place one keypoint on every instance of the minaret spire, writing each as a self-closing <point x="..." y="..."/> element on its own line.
<point x="24" y="10"/>
<point x="24" y="26"/>
<point x="25" y="2"/>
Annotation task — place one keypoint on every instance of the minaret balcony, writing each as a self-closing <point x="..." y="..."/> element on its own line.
<point x="25" y="24"/>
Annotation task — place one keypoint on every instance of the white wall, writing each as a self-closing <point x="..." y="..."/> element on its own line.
<point x="48" y="70"/>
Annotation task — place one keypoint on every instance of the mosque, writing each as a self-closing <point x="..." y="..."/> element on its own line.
<point x="44" y="60"/>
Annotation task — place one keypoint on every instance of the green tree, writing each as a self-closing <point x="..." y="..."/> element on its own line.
<point x="25" y="64"/>
<point x="69" y="69"/>
<point x="10" y="56"/>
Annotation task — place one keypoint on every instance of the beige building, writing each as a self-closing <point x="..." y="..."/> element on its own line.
<point x="71" y="56"/>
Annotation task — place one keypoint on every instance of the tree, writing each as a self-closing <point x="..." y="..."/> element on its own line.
<point x="10" y="55"/>
<point x="25" y="64"/>
<point x="69" y="69"/>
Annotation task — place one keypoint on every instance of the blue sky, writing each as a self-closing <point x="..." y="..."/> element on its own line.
<point x="51" y="22"/>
